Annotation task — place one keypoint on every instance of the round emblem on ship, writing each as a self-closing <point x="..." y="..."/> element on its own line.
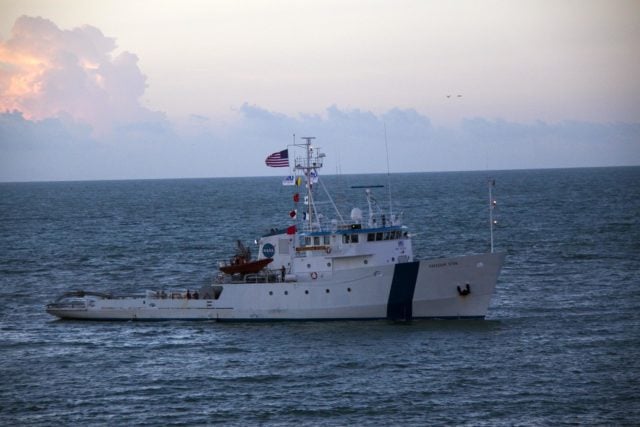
<point x="268" y="250"/>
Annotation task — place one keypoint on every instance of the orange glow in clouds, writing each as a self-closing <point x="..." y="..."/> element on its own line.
<point x="20" y="80"/>
<point x="46" y="72"/>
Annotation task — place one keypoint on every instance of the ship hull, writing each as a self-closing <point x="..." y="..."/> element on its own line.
<point x="459" y="287"/>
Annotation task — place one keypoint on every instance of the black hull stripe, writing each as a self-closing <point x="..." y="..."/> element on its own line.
<point x="400" y="303"/>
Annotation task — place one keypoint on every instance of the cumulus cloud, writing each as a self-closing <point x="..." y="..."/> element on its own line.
<point x="48" y="72"/>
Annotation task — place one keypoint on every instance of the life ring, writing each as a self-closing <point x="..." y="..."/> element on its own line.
<point x="328" y="249"/>
<point x="314" y="275"/>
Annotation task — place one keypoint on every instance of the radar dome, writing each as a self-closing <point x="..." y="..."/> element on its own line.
<point x="356" y="214"/>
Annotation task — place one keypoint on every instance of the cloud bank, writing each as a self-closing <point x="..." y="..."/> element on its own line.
<point x="70" y="110"/>
<point x="58" y="149"/>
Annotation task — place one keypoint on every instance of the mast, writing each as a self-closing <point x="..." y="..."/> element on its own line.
<point x="307" y="166"/>
<point x="492" y="205"/>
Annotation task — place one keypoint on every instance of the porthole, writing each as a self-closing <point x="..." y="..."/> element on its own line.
<point x="270" y="292"/>
<point x="327" y="290"/>
<point x="348" y="289"/>
<point x="366" y="261"/>
<point x="286" y="292"/>
<point x="328" y="264"/>
<point x="306" y="292"/>
<point x="308" y="265"/>
<point x="393" y="259"/>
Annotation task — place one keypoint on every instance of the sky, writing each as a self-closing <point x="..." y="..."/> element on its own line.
<point x="175" y="89"/>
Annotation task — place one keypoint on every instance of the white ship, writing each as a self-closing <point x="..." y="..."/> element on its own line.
<point x="362" y="267"/>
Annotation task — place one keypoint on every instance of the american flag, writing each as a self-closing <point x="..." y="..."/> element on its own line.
<point x="278" y="160"/>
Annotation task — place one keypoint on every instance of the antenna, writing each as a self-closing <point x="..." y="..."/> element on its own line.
<point x="292" y="167"/>
<point x="386" y="146"/>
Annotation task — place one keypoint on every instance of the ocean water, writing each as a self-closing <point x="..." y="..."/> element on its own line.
<point x="560" y="346"/>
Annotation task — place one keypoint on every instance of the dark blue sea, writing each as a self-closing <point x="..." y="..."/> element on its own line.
<point x="560" y="346"/>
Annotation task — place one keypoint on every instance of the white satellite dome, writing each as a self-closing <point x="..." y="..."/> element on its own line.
<point x="356" y="214"/>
